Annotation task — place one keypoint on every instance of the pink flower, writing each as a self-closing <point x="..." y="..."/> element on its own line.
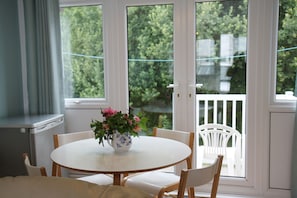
<point x="130" y="122"/>
<point x="105" y="126"/>
<point x="137" y="119"/>
<point x="108" y="112"/>
<point x="137" y="129"/>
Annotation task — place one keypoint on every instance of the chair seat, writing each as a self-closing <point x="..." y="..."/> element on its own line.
<point x="152" y="182"/>
<point x="100" y="179"/>
<point x="159" y="182"/>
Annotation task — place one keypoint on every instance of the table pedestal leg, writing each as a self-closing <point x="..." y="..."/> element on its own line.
<point x="116" y="179"/>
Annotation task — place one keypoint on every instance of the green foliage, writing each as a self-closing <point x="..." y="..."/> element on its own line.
<point x="150" y="38"/>
<point x="150" y="50"/>
<point x="82" y="46"/>
<point x="237" y="72"/>
<point x="216" y="18"/>
<point x="150" y="53"/>
<point x="287" y="39"/>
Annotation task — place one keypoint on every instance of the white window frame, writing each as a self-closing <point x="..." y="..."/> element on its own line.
<point x="112" y="80"/>
<point x="261" y="61"/>
<point x="277" y="101"/>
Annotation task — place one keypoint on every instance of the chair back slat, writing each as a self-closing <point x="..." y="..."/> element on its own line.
<point x="181" y="136"/>
<point x="191" y="178"/>
<point x="65" y="138"/>
<point x="33" y="170"/>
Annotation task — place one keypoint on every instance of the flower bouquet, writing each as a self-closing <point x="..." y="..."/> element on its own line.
<point x="115" y="122"/>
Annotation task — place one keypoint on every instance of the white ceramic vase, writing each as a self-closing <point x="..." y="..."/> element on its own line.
<point x="120" y="142"/>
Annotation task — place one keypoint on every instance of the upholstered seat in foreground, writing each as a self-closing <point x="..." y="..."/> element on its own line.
<point x="59" y="187"/>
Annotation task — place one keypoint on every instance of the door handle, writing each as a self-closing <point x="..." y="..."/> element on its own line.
<point x="172" y="85"/>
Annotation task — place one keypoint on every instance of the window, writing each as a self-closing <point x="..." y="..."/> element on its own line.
<point x="82" y="48"/>
<point x="286" y="49"/>
<point x="117" y="68"/>
<point x="150" y="62"/>
<point x="221" y="35"/>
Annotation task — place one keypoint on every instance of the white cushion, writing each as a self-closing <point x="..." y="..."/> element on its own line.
<point x="59" y="187"/>
<point x="152" y="182"/>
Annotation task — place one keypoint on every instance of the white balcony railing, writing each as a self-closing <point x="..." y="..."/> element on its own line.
<point x="226" y="109"/>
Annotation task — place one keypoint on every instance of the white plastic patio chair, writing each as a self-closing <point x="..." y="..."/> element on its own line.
<point x="223" y="140"/>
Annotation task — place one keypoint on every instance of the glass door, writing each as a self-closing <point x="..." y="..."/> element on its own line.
<point x="221" y="36"/>
<point x="150" y="62"/>
<point x="187" y="67"/>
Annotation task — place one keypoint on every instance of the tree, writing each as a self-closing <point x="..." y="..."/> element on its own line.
<point x="287" y="49"/>
<point x="237" y="73"/>
<point x="83" y="52"/>
<point x="213" y="20"/>
<point x="150" y="39"/>
<point x="150" y="50"/>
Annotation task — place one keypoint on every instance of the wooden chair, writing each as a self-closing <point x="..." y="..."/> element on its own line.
<point x="61" y="139"/>
<point x="190" y="178"/>
<point x="157" y="183"/>
<point x="223" y="140"/>
<point x="33" y="170"/>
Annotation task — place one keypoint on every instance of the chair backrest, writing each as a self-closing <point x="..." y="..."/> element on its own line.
<point x="64" y="138"/>
<point x="216" y="138"/>
<point x="181" y="136"/>
<point x="61" y="139"/>
<point x="191" y="178"/>
<point x="33" y="170"/>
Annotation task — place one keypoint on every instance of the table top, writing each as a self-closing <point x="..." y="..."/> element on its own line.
<point x="146" y="153"/>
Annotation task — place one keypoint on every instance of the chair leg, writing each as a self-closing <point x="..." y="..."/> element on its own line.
<point x="161" y="194"/>
<point x="54" y="169"/>
<point x="191" y="192"/>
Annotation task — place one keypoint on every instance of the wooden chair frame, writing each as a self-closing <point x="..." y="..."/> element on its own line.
<point x="60" y="139"/>
<point x="190" y="178"/>
<point x="165" y="133"/>
<point x="33" y="170"/>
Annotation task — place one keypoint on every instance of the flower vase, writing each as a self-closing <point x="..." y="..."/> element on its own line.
<point x="120" y="142"/>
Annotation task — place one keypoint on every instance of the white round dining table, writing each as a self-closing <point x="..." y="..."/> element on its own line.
<point x="146" y="153"/>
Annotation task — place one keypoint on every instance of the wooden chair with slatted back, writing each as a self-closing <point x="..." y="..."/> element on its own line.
<point x="157" y="183"/>
<point x="65" y="138"/>
<point x="33" y="170"/>
<point x="191" y="178"/>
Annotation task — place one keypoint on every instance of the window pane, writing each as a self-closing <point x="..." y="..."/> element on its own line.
<point x="287" y="49"/>
<point x="150" y="56"/>
<point x="221" y="35"/>
<point x="221" y="46"/>
<point x="82" y="47"/>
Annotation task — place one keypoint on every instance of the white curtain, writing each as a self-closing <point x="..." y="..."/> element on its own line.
<point x="43" y="55"/>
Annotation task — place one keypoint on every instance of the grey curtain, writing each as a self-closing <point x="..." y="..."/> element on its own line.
<point x="43" y="53"/>
<point x="294" y="153"/>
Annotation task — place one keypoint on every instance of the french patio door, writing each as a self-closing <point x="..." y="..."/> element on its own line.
<point x="158" y="64"/>
<point x="180" y="52"/>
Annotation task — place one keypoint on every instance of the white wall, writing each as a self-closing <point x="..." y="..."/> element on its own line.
<point x="281" y="136"/>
